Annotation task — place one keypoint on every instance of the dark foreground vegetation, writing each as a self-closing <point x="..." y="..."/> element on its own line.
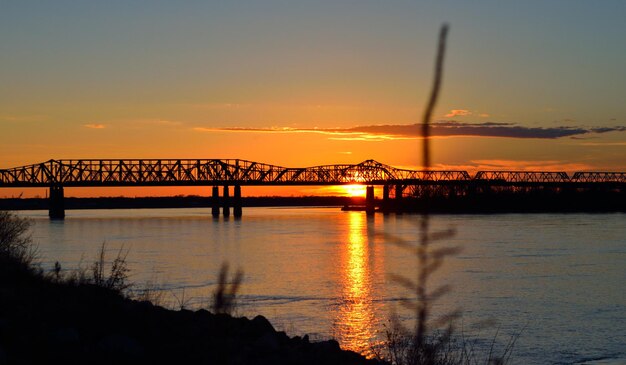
<point x="84" y="317"/>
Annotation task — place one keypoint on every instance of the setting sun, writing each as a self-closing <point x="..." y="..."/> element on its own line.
<point x="354" y="190"/>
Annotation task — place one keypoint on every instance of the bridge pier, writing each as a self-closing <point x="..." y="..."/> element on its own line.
<point x="370" y="206"/>
<point x="237" y="211"/>
<point x="56" y="205"/>
<point x="215" y="202"/>
<point x="398" y="199"/>
<point x="385" y="203"/>
<point x="226" y="202"/>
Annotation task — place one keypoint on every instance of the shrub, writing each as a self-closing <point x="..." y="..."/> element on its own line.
<point x="15" y="243"/>
<point x="117" y="278"/>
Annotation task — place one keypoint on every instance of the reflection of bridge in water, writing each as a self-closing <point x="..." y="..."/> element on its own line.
<point x="57" y="174"/>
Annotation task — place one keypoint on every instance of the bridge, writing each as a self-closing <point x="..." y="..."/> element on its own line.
<point x="57" y="174"/>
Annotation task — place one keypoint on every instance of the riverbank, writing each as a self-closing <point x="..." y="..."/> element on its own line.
<point x="45" y="321"/>
<point x="86" y="316"/>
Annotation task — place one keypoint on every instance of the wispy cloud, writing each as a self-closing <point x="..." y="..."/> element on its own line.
<point x="464" y="113"/>
<point x="472" y="166"/>
<point x="529" y="165"/>
<point x="604" y="144"/>
<point x="94" y="126"/>
<point x="458" y="113"/>
<point x="140" y="123"/>
<point x="439" y="129"/>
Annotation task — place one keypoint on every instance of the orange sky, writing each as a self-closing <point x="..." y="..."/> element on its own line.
<point x="526" y="86"/>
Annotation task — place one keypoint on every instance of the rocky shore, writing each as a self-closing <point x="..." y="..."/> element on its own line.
<point x="48" y="322"/>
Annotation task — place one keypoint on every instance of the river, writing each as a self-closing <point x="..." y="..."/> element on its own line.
<point x="558" y="281"/>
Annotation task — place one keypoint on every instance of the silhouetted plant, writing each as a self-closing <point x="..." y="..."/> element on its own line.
<point x="182" y="302"/>
<point x="432" y="341"/>
<point x="117" y="277"/>
<point x="225" y="295"/>
<point x="78" y="276"/>
<point x="56" y="273"/>
<point x="149" y="292"/>
<point x="15" y="243"/>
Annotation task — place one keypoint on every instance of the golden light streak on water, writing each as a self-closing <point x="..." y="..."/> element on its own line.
<point x="355" y="323"/>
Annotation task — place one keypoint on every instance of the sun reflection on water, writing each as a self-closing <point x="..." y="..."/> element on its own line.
<point x="355" y="322"/>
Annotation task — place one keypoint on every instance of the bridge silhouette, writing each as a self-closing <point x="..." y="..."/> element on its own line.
<point x="57" y="174"/>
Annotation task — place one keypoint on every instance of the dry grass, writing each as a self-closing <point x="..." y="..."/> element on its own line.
<point x="433" y="340"/>
<point x="116" y="277"/>
<point x="149" y="292"/>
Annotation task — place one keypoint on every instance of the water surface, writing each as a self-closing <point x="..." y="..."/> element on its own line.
<point x="558" y="279"/>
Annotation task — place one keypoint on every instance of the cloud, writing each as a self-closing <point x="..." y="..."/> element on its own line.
<point x="473" y="166"/>
<point x="604" y="144"/>
<point x="608" y="129"/>
<point x="448" y="128"/>
<point x="458" y="113"/>
<point x="94" y="126"/>
<point x="529" y="165"/>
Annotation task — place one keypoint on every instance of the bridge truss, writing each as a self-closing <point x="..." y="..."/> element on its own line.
<point x="179" y="172"/>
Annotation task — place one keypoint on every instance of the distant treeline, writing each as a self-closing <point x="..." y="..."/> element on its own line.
<point x="191" y="201"/>
<point x="532" y="201"/>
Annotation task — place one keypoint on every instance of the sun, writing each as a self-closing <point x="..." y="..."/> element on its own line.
<point x="354" y="190"/>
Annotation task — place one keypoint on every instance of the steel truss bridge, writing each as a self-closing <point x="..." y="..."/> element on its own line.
<point x="57" y="174"/>
<point x="179" y="172"/>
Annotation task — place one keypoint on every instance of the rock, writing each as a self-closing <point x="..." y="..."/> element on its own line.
<point x="121" y="345"/>
<point x="260" y="326"/>
<point x="329" y="346"/>
<point x="3" y="357"/>
<point x="65" y="336"/>
<point x="203" y="313"/>
<point x="268" y="343"/>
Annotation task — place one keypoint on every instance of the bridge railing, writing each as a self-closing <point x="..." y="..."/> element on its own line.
<point x="523" y="176"/>
<point x="435" y="175"/>
<point x="594" y="177"/>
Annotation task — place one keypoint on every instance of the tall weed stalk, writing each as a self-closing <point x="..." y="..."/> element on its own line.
<point x="432" y="342"/>
<point x="225" y="295"/>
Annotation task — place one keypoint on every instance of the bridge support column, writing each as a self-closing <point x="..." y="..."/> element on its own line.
<point x="385" y="204"/>
<point x="369" y="200"/>
<point x="215" y="202"/>
<point x="237" y="211"/>
<point x="56" y="204"/>
<point x="226" y="202"/>
<point x="398" y="199"/>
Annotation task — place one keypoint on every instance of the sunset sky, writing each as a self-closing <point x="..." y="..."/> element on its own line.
<point x="527" y="84"/>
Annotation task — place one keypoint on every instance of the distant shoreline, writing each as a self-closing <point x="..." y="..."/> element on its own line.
<point x="534" y="202"/>
<point x="175" y="202"/>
